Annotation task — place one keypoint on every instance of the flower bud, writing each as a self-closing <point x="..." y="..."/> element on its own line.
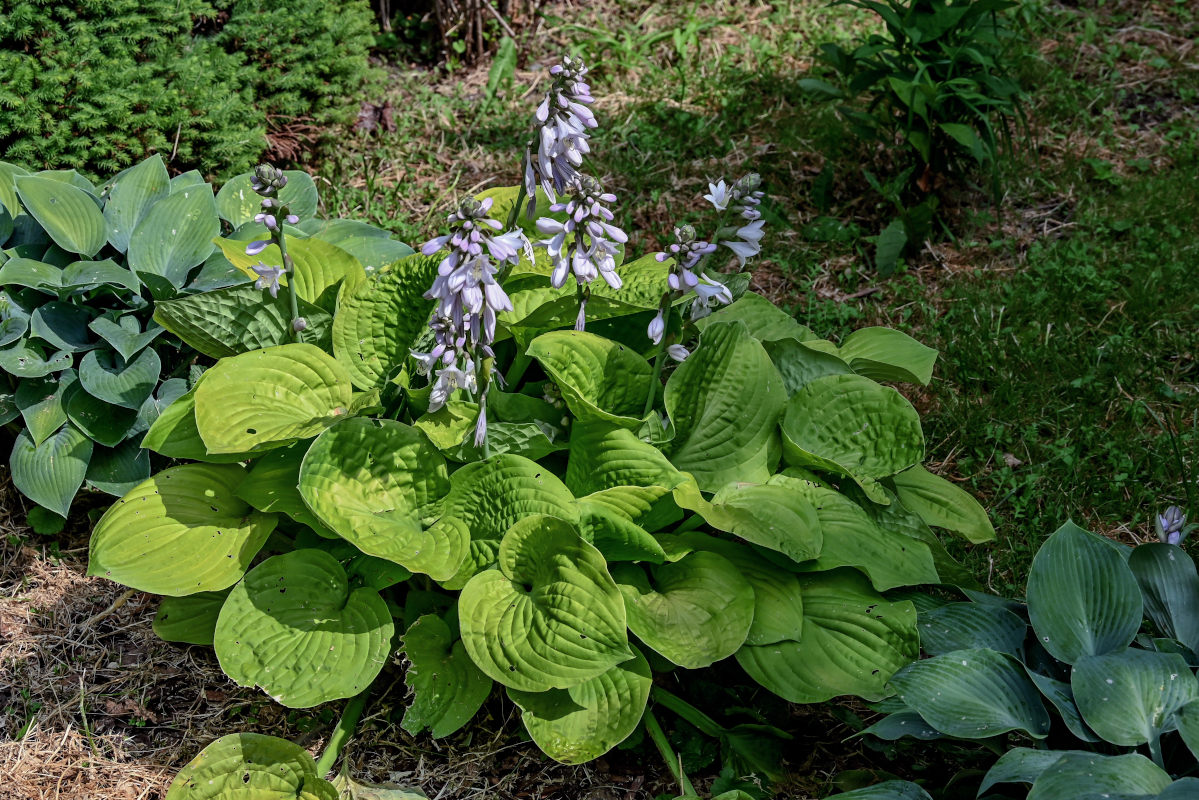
<point x="298" y="324"/>
<point x="1170" y="524"/>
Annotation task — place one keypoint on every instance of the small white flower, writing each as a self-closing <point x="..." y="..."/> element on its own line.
<point x="718" y="195"/>
<point x="678" y="352"/>
<point x="657" y="326"/>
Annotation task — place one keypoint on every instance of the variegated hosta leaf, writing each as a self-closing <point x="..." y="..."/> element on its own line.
<point x="550" y="617"/>
<point x="853" y="641"/>
<point x="697" y="610"/>
<point x="583" y="722"/>
<point x="251" y="766"/>
<point x="368" y="480"/>
<point x="447" y="688"/>
<point x="599" y="378"/>
<point x="181" y="532"/>
<point x="725" y="402"/>
<point x="850" y="425"/>
<point x="378" y="321"/>
<point x="295" y="628"/>
<point x="270" y="398"/>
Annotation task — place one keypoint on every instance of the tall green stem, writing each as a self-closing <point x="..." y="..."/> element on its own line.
<point x="292" y="297"/>
<point x="652" y="392"/>
<point x="673" y="762"/>
<point x="342" y="733"/>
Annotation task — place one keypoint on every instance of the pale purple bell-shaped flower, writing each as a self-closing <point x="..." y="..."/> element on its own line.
<point x="268" y="277"/>
<point x="563" y="118"/>
<point x="587" y="243"/>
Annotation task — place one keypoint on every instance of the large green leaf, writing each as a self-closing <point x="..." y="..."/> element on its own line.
<point x="447" y="688"/>
<point x="583" y="722"/>
<point x="1128" y="698"/>
<point x="369" y="480"/>
<point x="174" y="434"/>
<point x="599" y="378"/>
<point x="373" y="246"/>
<point x="238" y="203"/>
<point x="41" y="402"/>
<point x="1093" y="776"/>
<point x="940" y="503"/>
<point x="106" y="376"/>
<point x="853" y="641"/>
<point x="850" y="425"/>
<point x="1023" y="765"/>
<point x="766" y="321"/>
<point x="800" y="363"/>
<point x="63" y="326"/>
<point x="51" y="473"/>
<point x="270" y="398"/>
<point x="349" y="789"/>
<point x="887" y="790"/>
<point x="694" y="612"/>
<point x="885" y="354"/>
<point x="378" y="321"/>
<point x="616" y="535"/>
<point x="604" y="456"/>
<point x="32" y="274"/>
<point x="116" y="470"/>
<point x="251" y="766"/>
<point x="131" y="196"/>
<point x="174" y="236"/>
<point x="319" y="267"/>
<point x="775" y="515"/>
<point x="963" y="626"/>
<point x="550" y="617"/>
<point x="67" y="213"/>
<point x="1062" y="697"/>
<point x="181" y="532"/>
<point x="1082" y="598"/>
<point x="92" y="274"/>
<point x="273" y="484"/>
<point x="725" y="401"/>
<point x="294" y="627"/>
<point x="28" y="360"/>
<point x="238" y="319"/>
<point x="1170" y="586"/>
<point x="103" y="422"/>
<point x="190" y="619"/>
<point x="125" y="336"/>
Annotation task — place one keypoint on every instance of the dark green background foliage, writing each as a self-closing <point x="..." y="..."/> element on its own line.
<point x="98" y="85"/>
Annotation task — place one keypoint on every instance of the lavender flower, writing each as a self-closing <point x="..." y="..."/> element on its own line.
<point x="268" y="277"/>
<point x="687" y="252"/>
<point x="718" y="195"/>
<point x="745" y="196"/>
<point x="587" y="243"/>
<point x="563" y="118"/>
<point x="708" y="294"/>
<point x="1171" y="525"/>
<point x="678" y="352"/>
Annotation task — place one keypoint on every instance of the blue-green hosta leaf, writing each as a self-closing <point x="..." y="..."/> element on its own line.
<point x="1181" y="789"/>
<point x="550" y="617"/>
<point x="378" y="321"/>
<point x="1128" y="698"/>
<point x="131" y="196"/>
<point x="599" y="378"/>
<point x="168" y="392"/>
<point x="1082" y="597"/>
<point x="186" y="179"/>
<point x="1170" y="586"/>
<point x="887" y="790"/>
<point x="766" y="321"/>
<point x="174" y="434"/>
<point x="962" y="626"/>
<point x="777" y="516"/>
<point x="295" y="628"/>
<point x="117" y="470"/>
<point x="1186" y="720"/>
<point x="66" y="212"/>
<point x="1061" y="696"/>
<point x="91" y="274"/>
<point x="8" y="188"/>
<point x="902" y="724"/>
<point x="885" y="354"/>
<point x="62" y="326"/>
<point x="174" y="236"/>
<point x="32" y="274"/>
<point x="251" y="766"/>
<point x="1023" y="765"/>
<point x="105" y="375"/>
<point x="14" y="319"/>
<point x="447" y="688"/>
<point x="973" y="694"/>
<point x="694" y="612"/>
<point x="126" y="336"/>
<point x="181" y="532"/>
<point x="319" y="267"/>
<point x="270" y="398"/>
<point x="190" y="619"/>
<point x="29" y="360"/>
<point x="41" y="402"/>
<point x="369" y="480"/>
<point x="941" y="504"/>
<point x="238" y="203"/>
<point x="1093" y="776"/>
<point x="583" y="722"/>
<point x="725" y="401"/>
<point x="103" y="422"/>
<point x="51" y="473"/>
<point x="853" y="641"/>
<point x="850" y="425"/>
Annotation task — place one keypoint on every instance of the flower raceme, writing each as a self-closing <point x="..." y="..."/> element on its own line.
<point x="587" y="242"/>
<point x="563" y="119"/>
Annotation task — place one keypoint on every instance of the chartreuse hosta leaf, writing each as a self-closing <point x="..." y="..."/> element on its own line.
<point x="885" y="354"/>
<point x="190" y="619"/>
<point x="774" y="515"/>
<point x="550" y="617"/>
<point x="1170" y="587"/>
<point x="51" y="473"/>
<point x="1093" y="776"/>
<point x="725" y="402"/>
<point x="174" y="236"/>
<point x="1082" y="598"/>
<point x="616" y="535"/>
<point x="447" y="688"/>
<point x="238" y="203"/>
<point x="378" y="321"/>
<point x="599" y="378"/>
<point x="583" y="722"/>
<point x="694" y="611"/>
<point x="853" y="641"/>
<point x="270" y="398"/>
<point x="65" y="212"/>
<point x="373" y="246"/>
<point x="801" y="362"/>
<point x="174" y="434"/>
<point x="273" y="485"/>
<point x="251" y="766"/>
<point x="368" y="481"/>
<point x="850" y="425"/>
<point x="939" y="503"/>
<point x="294" y="627"/>
<point x="181" y="532"/>
<point x="319" y="267"/>
<point x="1129" y="697"/>
<point x="131" y="196"/>
<point x="766" y="321"/>
<point x="973" y="694"/>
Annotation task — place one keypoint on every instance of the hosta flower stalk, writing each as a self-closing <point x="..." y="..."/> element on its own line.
<point x="267" y="182"/>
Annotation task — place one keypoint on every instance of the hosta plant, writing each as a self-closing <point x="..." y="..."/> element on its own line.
<point x="544" y="470"/>
<point x="95" y="281"/>
<point x="1083" y="698"/>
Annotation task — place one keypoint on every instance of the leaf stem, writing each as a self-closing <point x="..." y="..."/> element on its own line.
<point x="342" y="733"/>
<point x="1155" y="749"/>
<point x="516" y="370"/>
<point x="674" y="762"/>
<point x="706" y="725"/>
